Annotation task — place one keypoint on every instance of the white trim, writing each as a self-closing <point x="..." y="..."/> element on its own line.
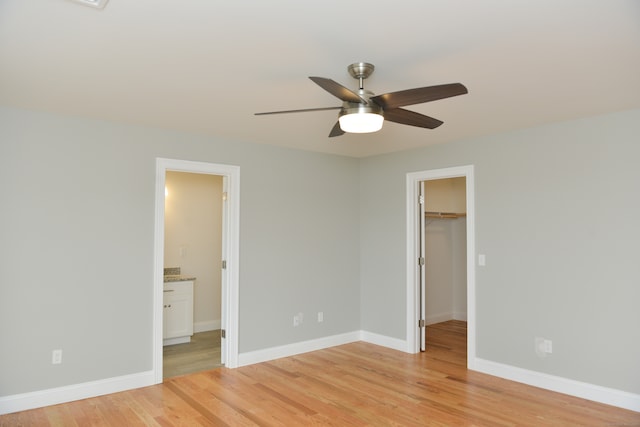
<point x="230" y="252"/>
<point x="443" y="317"/>
<point x="176" y="340"/>
<point x="460" y="315"/>
<point x="54" y="396"/>
<point x="384" y="341"/>
<point x="413" y="249"/>
<point x="596" y="393"/>
<point x="413" y="179"/>
<point x="287" y="350"/>
<point x="438" y="318"/>
<point x="207" y="325"/>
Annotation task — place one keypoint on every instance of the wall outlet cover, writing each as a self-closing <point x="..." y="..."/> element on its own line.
<point x="538" y="343"/>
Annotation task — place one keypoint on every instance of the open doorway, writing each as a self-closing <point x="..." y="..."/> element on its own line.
<point x="417" y="219"/>
<point x="226" y="263"/>
<point x="443" y="287"/>
<point x="193" y="273"/>
<point x="445" y="240"/>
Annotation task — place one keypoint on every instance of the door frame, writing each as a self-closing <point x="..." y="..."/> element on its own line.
<point x="413" y="181"/>
<point x="230" y="253"/>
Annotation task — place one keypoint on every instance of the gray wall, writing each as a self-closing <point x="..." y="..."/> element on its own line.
<point x="557" y="211"/>
<point x="76" y="258"/>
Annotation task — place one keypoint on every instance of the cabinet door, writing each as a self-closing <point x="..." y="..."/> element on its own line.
<point x="178" y="310"/>
<point x="178" y="316"/>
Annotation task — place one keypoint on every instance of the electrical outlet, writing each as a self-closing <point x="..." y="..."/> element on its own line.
<point x="56" y="357"/>
<point x="543" y="346"/>
<point x="320" y="317"/>
<point x="298" y="319"/>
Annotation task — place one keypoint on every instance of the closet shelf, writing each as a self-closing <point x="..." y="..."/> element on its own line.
<point x="451" y="215"/>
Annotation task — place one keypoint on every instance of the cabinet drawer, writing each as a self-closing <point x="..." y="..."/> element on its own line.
<point x="178" y="287"/>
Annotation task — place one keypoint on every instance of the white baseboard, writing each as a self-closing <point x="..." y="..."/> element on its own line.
<point x="384" y="341"/>
<point x="178" y="340"/>
<point x="443" y="317"/>
<point x="608" y="396"/>
<point x="273" y="353"/>
<point x="54" y="396"/>
<point x="460" y="315"/>
<point x="207" y="325"/>
<point x="437" y="318"/>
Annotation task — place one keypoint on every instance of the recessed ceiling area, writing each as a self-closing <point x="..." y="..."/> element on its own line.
<point x="206" y="67"/>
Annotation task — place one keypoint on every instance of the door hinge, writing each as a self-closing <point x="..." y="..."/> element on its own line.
<point x="224" y="264"/>
<point x="223" y="333"/>
<point x="421" y="323"/>
<point x="224" y="196"/>
<point x="421" y="261"/>
<point x="422" y="199"/>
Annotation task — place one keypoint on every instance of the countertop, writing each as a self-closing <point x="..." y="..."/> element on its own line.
<point x="177" y="278"/>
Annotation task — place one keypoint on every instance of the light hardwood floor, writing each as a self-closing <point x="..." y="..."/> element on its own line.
<point x="356" y="384"/>
<point x="201" y="354"/>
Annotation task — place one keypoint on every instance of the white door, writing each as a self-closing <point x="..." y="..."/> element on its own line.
<point x="422" y="268"/>
<point x="224" y="271"/>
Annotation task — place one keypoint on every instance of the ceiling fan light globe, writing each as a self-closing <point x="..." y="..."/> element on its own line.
<point x="361" y="122"/>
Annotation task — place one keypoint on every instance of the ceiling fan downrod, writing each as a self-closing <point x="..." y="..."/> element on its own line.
<point x="360" y="71"/>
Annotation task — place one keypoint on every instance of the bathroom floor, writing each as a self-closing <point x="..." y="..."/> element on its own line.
<point x="201" y="354"/>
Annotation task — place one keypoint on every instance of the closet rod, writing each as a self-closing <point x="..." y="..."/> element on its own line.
<point x="444" y="214"/>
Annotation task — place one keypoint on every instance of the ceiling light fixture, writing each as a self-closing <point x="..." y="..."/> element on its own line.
<point x="361" y="118"/>
<point x="98" y="4"/>
<point x="364" y="112"/>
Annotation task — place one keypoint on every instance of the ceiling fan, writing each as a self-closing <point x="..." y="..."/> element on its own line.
<point x="364" y="112"/>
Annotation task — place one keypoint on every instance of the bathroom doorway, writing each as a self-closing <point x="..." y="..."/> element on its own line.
<point x="183" y="251"/>
<point x="193" y="251"/>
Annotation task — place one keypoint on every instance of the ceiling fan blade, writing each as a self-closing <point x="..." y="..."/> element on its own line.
<point x="411" y="118"/>
<point x="337" y="90"/>
<point x="305" y="110"/>
<point x="419" y="95"/>
<point x="336" y="130"/>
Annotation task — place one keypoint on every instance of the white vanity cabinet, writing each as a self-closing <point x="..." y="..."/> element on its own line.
<point x="177" y="325"/>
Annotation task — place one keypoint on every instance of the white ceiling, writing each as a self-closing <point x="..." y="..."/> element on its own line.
<point x="206" y="66"/>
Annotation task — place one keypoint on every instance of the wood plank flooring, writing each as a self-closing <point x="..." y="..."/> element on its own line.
<point x="356" y="384"/>
<point x="201" y="354"/>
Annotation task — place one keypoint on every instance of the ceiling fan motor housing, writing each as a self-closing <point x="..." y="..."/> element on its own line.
<point x="353" y="108"/>
<point x="357" y="117"/>
<point x="359" y="108"/>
